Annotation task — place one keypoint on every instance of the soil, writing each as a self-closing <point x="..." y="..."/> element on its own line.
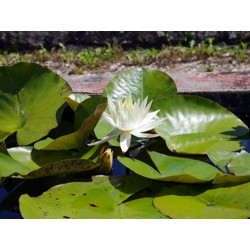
<point x="218" y="65"/>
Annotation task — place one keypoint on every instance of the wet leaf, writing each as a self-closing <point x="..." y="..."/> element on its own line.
<point x="101" y="198"/>
<point x="87" y="108"/>
<point x="220" y="158"/>
<point x="240" y="164"/>
<point x="29" y="94"/>
<point x="75" y="99"/>
<point x="171" y="168"/>
<point x="9" y="166"/>
<point x="199" y="202"/>
<point x="195" y="125"/>
<point x="78" y="138"/>
<point x="140" y="83"/>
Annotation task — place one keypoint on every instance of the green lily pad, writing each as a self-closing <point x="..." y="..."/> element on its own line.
<point x="68" y="166"/>
<point x="141" y="82"/>
<point x="101" y="198"/>
<point x="222" y="178"/>
<point x="30" y="164"/>
<point x="195" y="125"/>
<point x="29" y="94"/>
<point x="198" y="202"/>
<point x="171" y="168"/>
<point x="220" y="158"/>
<point x="75" y="99"/>
<point x="103" y="128"/>
<point x="9" y="166"/>
<point x="23" y="156"/>
<point x="239" y="165"/>
<point x="78" y="138"/>
<point x="86" y="108"/>
<point x="232" y="162"/>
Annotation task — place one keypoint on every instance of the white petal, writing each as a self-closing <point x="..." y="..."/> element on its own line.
<point x="109" y="119"/>
<point x="143" y="135"/>
<point x="150" y="125"/>
<point x="105" y="139"/>
<point x="111" y="106"/>
<point x="125" y="140"/>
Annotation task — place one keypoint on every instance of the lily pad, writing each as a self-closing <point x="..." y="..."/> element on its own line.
<point x="195" y="124"/>
<point x="101" y="198"/>
<point x="232" y="162"/>
<point x="30" y="164"/>
<point x="75" y="99"/>
<point x="86" y="108"/>
<point x="9" y="166"/>
<point x="220" y="158"/>
<point x="29" y="94"/>
<point x="171" y="168"/>
<point x="78" y="138"/>
<point x="141" y="82"/>
<point x="239" y="165"/>
<point x="23" y="156"/>
<point x="198" y="202"/>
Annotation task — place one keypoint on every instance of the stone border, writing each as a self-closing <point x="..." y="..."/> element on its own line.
<point x="230" y="89"/>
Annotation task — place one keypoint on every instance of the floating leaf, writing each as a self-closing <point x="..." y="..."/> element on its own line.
<point x="29" y="94"/>
<point x="221" y="178"/>
<point x="171" y="168"/>
<point x="232" y="162"/>
<point x="198" y="202"/>
<point x="23" y="156"/>
<point x="75" y="99"/>
<point x="195" y="125"/>
<point x="86" y="108"/>
<point x="69" y="166"/>
<point x="140" y="83"/>
<point x="9" y="166"/>
<point x="240" y="164"/>
<point x="220" y="158"/>
<point x="101" y="198"/>
<point x="30" y="164"/>
<point x="78" y="138"/>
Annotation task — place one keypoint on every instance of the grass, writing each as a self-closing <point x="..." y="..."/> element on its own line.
<point x="96" y="59"/>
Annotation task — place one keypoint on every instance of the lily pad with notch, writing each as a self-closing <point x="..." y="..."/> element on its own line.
<point x="104" y="197"/>
<point x="29" y="94"/>
<point x="200" y="202"/>
<point x="172" y="169"/>
<point x="195" y="124"/>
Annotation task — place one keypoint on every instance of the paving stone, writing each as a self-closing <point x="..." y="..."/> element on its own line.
<point x="230" y="89"/>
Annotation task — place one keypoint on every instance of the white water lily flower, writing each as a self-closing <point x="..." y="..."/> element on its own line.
<point x="130" y="119"/>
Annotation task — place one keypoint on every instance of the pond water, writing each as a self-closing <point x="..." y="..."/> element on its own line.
<point x="12" y="189"/>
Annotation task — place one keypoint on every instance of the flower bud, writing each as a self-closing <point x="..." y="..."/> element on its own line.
<point x="106" y="158"/>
